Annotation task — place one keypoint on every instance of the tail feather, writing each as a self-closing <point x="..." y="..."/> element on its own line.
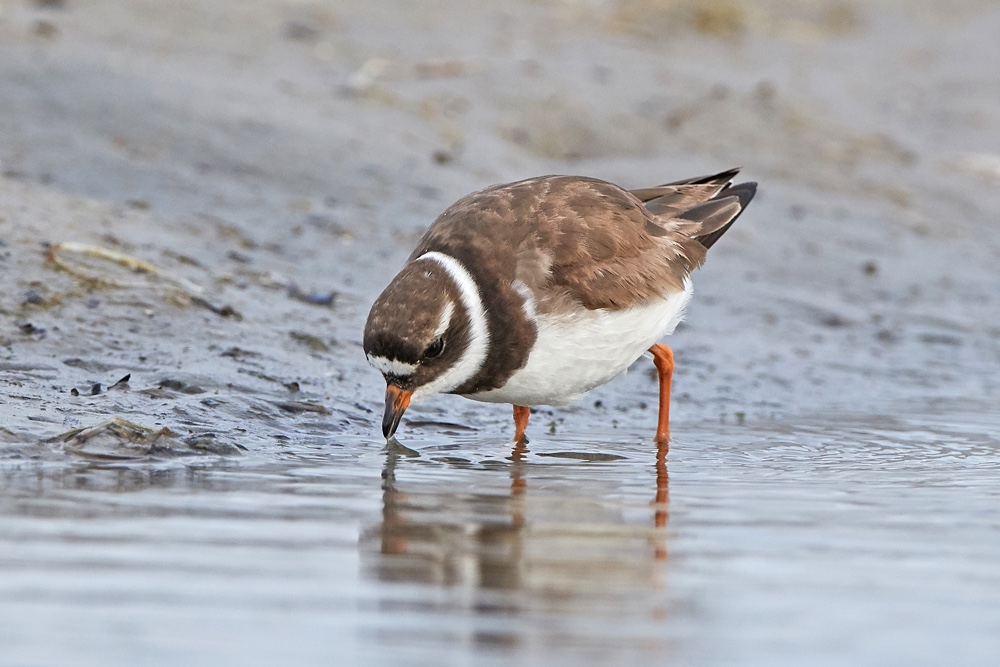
<point x="720" y="179"/>
<point x="713" y="201"/>
<point x="681" y="195"/>
<point x="742" y="193"/>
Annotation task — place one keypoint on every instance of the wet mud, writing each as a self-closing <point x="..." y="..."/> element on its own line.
<point x="199" y="202"/>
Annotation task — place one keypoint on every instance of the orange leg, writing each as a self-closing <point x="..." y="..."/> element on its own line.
<point x="663" y="357"/>
<point x="521" y="414"/>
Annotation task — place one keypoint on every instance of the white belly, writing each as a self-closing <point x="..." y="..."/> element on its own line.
<point x="576" y="352"/>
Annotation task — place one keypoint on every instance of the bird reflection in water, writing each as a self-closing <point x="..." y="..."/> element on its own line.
<point x="518" y="484"/>
<point x="459" y="533"/>
<point x="661" y="502"/>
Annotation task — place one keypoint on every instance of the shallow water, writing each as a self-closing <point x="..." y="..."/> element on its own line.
<point x="285" y="156"/>
<point x="871" y="541"/>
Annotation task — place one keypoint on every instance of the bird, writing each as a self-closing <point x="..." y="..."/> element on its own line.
<point x="535" y="292"/>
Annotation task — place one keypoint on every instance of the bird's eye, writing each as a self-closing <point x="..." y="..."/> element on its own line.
<point x="434" y="349"/>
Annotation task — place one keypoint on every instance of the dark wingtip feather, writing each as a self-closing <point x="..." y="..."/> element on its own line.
<point x="721" y="177"/>
<point x="745" y="192"/>
<point x="742" y="191"/>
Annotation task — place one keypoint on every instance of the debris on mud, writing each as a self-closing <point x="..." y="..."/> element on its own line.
<point x="119" y="439"/>
<point x="239" y="353"/>
<point x="221" y="311"/>
<point x="31" y="330"/>
<point x="37" y="295"/>
<point x="180" y="386"/>
<point x="191" y="292"/>
<point x="314" y="298"/>
<point x="313" y="342"/>
<point x="298" y="407"/>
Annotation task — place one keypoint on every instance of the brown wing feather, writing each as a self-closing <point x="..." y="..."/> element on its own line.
<point x="585" y="241"/>
<point x="602" y="254"/>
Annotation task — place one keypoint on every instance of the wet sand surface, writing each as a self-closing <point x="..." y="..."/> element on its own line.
<point x="190" y="463"/>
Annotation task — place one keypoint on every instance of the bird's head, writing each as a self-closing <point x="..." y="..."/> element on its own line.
<point x="422" y="336"/>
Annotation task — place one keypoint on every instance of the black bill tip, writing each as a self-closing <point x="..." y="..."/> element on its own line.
<point x="396" y="402"/>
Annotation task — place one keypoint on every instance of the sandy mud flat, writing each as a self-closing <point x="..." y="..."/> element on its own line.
<point x="200" y="200"/>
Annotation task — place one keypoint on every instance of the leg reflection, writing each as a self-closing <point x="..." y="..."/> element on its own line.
<point x="392" y="515"/>
<point x="661" y="502"/>
<point x="518" y="483"/>
<point x="465" y="526"/>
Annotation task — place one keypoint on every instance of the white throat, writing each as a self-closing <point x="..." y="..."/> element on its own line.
<point x="478" y="345"/>
<point x="391" y="366"/>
